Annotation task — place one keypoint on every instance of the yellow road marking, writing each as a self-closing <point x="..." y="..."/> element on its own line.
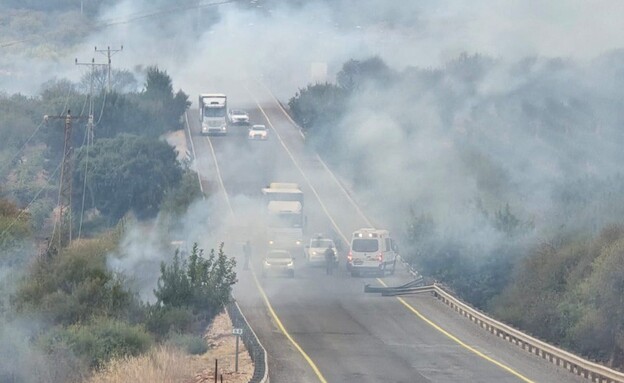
<point x="458" y="341"/>
<point x="257" y="282"/>
<point x="285" y="332"/>
<point x="407" y="305"/>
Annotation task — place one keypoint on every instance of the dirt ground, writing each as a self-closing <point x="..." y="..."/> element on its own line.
<point x="168" y="365"/>
<point x="223" y="347"/>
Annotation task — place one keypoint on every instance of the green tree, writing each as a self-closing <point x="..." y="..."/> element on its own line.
<point x="126" y="173"/>
<point x="203" y="283"/>
<point x="318" y="106"/>
<point x="162" y="106"/>
<point x="600" y="327"/>
<point x="356" y="74"/>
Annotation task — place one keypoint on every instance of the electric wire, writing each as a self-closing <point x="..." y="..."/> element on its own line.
<point x="30" y="204"/>
<point x="88" y="133"/>
<point x="14" y="157"/>
<point x="102" y="109"/>
<point x="131" y="18"/>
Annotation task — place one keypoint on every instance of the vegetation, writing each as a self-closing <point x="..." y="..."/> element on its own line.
<point x="80" y="313"/>
<point x="87" y="309"/>
<point x="514" y="226"/>
<point x="125" y="173"/>
<point x="573" y="287"/>
<point x="197" y="288"/>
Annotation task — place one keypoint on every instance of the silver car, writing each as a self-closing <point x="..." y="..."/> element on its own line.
<point x="278" y="262"/>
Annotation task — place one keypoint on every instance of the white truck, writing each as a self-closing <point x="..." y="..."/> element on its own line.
<point x="284" y="216"/>
<point x="213" y="113"/>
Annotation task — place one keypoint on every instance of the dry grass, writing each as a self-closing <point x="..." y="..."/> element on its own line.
<point x="169" y="365"/>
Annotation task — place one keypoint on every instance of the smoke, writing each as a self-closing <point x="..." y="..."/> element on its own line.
<point x="531" y="121"/>
<point x="460" y="136"/>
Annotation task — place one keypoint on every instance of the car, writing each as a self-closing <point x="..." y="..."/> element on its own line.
<point x="315" y="251"/>
<point x="372" y="251"/>
<point x="238" y="117"/>
<point x="258" y="132"/>
<point x="278" y="262"/>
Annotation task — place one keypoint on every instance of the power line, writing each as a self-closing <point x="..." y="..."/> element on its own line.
<point x="109" y="52"/>
<point x="130" y="18"/>
<point x="89" y="138"/>
<point x="31" y="202"/>
<point x="101" y="110"/>
<point x="8" y="163"/>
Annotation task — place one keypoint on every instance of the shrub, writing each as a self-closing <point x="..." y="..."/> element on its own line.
<point x="164" y="320"/>
<point x="75" y="285"/>
<point x="192" y="344"/>
<point x="101" y="340"/>
<point x="191" y="291"/>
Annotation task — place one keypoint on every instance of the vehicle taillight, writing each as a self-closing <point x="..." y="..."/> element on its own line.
<point x="380" y="257"/>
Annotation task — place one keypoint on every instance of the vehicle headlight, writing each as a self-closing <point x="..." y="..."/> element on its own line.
<point x="298" y="242"/>
<point x="271" y="242"/>
<point x="314" y="253"/>
<point x="266" y="263"/>
<point x="290" y="263"/>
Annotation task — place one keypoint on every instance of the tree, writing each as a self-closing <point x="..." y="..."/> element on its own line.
<point x="122" y="81"/>
<point x="355" y="74"/>
<point x="126" y="173"/>
<point x="600" y="328"/>
<point x="163" y="109"/>
<point x="201" y="283"/>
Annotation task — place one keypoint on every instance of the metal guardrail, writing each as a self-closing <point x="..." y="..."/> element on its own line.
<point x="594" y="372"/>
<point x="577" y="365"/>
<point x="255" y="349"/>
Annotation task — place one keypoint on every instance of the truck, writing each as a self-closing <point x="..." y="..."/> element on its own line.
<point x="284" y="216"/>
<point x="213" y="113"/>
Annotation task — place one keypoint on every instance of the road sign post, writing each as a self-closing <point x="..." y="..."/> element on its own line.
<point x="238" y="332"/>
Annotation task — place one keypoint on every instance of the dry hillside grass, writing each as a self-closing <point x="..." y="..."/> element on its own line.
<point x="169" y="365"/>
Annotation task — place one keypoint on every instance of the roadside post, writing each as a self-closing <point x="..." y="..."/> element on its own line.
<point x="238" y="332"/>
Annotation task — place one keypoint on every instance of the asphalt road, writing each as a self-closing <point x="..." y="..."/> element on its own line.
<point x="324" y="328"/>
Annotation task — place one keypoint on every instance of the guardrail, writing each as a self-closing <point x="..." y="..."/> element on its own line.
<point x="255" y="349"/>
<point x="575" y="364"/>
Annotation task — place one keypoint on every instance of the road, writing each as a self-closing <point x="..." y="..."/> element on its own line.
<point x="319" y="328"/>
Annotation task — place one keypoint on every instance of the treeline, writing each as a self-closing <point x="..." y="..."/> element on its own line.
<point x="499" y="178"/>
<point x="66" y="313"/>
<point x="128" y="167"/>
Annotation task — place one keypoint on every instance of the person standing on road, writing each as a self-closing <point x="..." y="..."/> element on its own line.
<point x="247" y="253"/>
<point x="330" y="259"/>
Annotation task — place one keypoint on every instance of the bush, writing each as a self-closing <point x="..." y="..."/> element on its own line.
<point x="164" y="320"/>
<point x="75" y="285"/>
<point x="204" y="284"/>
<point x="191" y="291"/>
<point x="192" y="344"/>
<point x="101" y="340"/>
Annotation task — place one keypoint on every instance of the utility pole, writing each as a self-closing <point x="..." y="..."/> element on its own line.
<point x="89" y="133"/>
<point x="93" y="65"/>
<point x="65" y="187"/>
<point x="109" y="53"/>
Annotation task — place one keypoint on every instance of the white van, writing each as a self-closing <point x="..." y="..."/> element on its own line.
<point x="373" y="251"/>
